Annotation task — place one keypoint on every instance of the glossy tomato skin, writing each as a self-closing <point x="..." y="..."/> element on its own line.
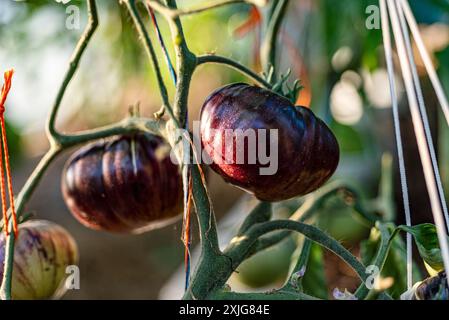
<point x="307" y="150"/>
<point x="43" y="251"/>
<point x="127" y="184"/>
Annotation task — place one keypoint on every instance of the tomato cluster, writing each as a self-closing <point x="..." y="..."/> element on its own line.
<point x="128" y="183"/>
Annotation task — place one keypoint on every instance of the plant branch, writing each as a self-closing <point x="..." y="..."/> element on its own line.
<point x="5" y="289"/>
<point x="281" y="294"/>
<point x="128" y="125"/>
<point x="206" y="216"/>
<point x="253" y="232"/>
<point x="175" y="13"/>
<point x="34" y="179"/>
<point x="385" y="242"/>
<point x="262" y="212"/>
<point x="146" y="42"/>
<point x="92" y="25"/>
<point x="268" y="49"/>
<point x="185" y="65"/>
<point x="212" y="58"/>
<point x="240" y="248"/>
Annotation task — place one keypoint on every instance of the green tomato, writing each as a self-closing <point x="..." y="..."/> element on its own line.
<point x="43" y="251"/>
<point x="267" y="267"/>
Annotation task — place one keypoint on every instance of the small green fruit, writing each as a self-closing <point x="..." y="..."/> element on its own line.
<point x="267" y="267"/>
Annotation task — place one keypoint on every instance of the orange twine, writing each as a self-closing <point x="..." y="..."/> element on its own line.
<point x="5" y="90"/>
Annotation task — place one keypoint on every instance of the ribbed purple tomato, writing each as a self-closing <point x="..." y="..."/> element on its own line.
<point x="126" y="184"/>
<point x="306" y="153"/>
<point x="43" y="251"/>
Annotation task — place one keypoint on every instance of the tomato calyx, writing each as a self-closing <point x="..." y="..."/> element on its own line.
<point x="281" y="87"/>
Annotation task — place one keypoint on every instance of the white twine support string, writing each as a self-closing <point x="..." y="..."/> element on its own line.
<point x="436" y="83"/>
<point x="426" y="162"/>
<point x="397" y="130"/>
<point x="423" y="111"/>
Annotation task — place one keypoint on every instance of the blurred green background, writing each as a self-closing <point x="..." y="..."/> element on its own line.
<point x="325" y="43"/>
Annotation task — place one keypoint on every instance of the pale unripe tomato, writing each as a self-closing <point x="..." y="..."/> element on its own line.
<point x="43" y="250"/>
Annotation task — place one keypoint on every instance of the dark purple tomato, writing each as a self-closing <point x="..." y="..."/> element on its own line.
<point x="304" y="158"/>
<point x="126" y="184"/>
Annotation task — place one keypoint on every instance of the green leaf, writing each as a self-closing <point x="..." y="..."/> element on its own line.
<point x="426" y="240"/>
<point x="349" y="139"/>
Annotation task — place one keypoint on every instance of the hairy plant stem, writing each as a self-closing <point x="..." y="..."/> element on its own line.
<point x="126" y="126"/>
<point x="300" y="266"/>
<point x="212" y="58"/>
<point x="381" y="256"/>
<point x="243" y="244"/>
<point x="186" y="64"/>
<point x="270" y="295"/>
